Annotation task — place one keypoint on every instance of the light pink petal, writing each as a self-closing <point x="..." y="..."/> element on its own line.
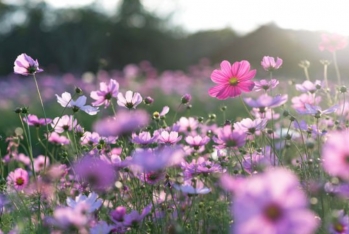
<point x="243" y="69"/>
<point x="219" y="77"/>
<point x="129" y="96"/>
<point x="226" y="68"/>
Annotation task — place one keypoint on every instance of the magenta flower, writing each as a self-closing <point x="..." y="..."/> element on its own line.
<point x="105" y="93"/>
<point x="272" y="203"/>
<point x="265" y="85"/>
<point x="18" y="179"/>
<point x="269" y="64"/>
<point x="231" y="80"/>
<point x="130" y="101"/>
<point x="33" y="120"/>
<point x="333" y="42"/>
<point x="335" y="154"/>
<point x="25" y="65"/>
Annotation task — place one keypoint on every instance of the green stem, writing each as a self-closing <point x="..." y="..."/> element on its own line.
<point x="336" y="67"/>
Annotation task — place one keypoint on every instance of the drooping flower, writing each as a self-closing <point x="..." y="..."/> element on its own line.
<point x="130" y="101"/>
<point x="232" y="80"/>
<point x="332" y="42"/>
<point x="268" y="63"/>
<point x="105" y="93"/>
<point x="18" y="179"/>
<point x="25" y="65"/>
<point x="272" y="202"/>
<point x="67" y="101"/>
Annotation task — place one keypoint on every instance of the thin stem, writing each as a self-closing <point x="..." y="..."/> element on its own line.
<point x="243" y="103"/>
<point x="336" y="67"/>
<point x="306" y="73"/>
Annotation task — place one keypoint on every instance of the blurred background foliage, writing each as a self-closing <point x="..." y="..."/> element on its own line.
<point x="88" y="39"/>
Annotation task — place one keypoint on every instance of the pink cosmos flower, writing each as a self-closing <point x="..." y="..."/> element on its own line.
<point x="18" y="179"/>
<point x="90" y="138"/>
<point x="250" y="126"/>
<point x="33" y="120"/>
<point x="55" y="138"/>
<point x="265" y="85"/>
<point x="143" y="138"/>
<point x="187" y="124"/>
<point x="272" y="203"/>
<point x="105" y="93"/>
<point x="308" y="86"/>
<point x="227" y="137"/>
<point x="269" y="64"/>
<point x="133" y="218"/>
<point x="335" y="154"/>
<point x="166" y="137"/>
<point x="64" y="123"/>
<point x="197" y="141"/>
<point x="25" y="65"/>
<point x="130" y="101"/>
<point x="39" y="163"/>
<point x="231" y="80"/>
<point x="298" y="103"/>
<point x="92" y="201"/>
<point x="332" y="42"/>
<point x="67" y="101"/>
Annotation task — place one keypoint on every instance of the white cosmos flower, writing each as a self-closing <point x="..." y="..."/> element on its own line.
<point x="67" y="101"/>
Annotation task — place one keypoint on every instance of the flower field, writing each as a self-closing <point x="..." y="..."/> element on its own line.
<point x="217" y="149"/>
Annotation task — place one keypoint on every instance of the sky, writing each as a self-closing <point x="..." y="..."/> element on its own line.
<point x="243" y="16"/>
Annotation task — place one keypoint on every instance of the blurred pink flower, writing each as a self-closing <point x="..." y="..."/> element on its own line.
<point x="269" y="64"/>
<point x="335" y="154"/>
<point x="340" y="223"/>
<point x="18" y="179"/>
<point x="266" y="101"/>
<point x="231" y="80"/>
<point x="308" y="86"/>
<point x="265" y="85"/>
<point x="55" y="138"/>
<point x="64" y="123"/>
<point x="122" y="123"/>
<point x="227" y="137"/>
<point x="299" y="102"/>
<point x="25" y="65"/>
<point x="105" y="93"/>
<point x="33" y="120"/>
<point x="272" y="203"/>
<point x="39" y="163"/>
<point x="333" y="42"/>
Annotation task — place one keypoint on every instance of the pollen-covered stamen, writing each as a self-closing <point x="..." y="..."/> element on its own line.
<point x="233" y="81"/>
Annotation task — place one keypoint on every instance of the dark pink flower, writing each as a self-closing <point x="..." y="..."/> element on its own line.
<point x="33" y="120"/>
<point x="333" y="42"/>
<point x="25" y="65"/>
<point x="231" y="80"/>
<point x="268" y="63"/>
<point x="272" y="203"/>
<point x="18" y="179"/>
<point x="105" y="93"/>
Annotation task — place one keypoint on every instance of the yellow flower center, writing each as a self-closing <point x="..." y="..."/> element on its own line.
<point x="20" y="181"/>
<point x="338" y="227"/>
<point x="233" y="81"/>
